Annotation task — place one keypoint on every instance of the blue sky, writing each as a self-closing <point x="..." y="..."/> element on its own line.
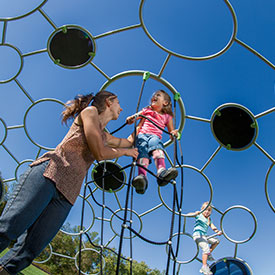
<point x="188" y="28"/>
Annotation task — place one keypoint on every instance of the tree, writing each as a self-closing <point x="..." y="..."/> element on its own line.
<point x="68" y="245"/>
<point x="3" y="191"/>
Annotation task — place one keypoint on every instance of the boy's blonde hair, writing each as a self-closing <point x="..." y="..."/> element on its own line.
<point x="205" y="204"/>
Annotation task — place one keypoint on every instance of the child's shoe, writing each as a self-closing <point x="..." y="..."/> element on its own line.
<point x="206" y="270"/>
<point x="166" y="175"/>
<point x="140" y="183"/>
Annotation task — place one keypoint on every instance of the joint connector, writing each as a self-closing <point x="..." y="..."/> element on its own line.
<point x="146" y="75"/>
<point x="124" y="225"/>
<point x="228" y="146"/>
<point x="56" y="61"/>
<point x="64" y="29"/>
<point x="92" y="54"/>
<point x="177" y="96"/>
<point x="169" y="242"/>
<point x="218" y="113"/>
<point x="253" y="125"/>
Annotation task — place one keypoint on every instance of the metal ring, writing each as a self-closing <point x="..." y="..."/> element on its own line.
<point x="159" y="79"/>
<point x="253" y="216"/>
<point x="229" y="44"/>
<point x="208" y="181"/>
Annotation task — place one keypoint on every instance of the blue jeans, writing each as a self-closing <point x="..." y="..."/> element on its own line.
<point x="33" y="216"/>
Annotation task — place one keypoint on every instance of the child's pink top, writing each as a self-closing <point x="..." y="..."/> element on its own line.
<point x="160" y="119"/>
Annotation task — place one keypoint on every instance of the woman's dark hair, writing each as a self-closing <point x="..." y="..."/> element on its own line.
<point x="80" y="102"/>
<point x="168" y="108"/>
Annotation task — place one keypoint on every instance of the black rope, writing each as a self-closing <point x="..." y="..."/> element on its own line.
<point x="100" y="205"/>
<point x="119" y="128"/>
<point x="179" y="224"/>
<point x="81" y="226"/>
<point x="131" y="242"/>
<point x="124" y="221"/>
<point x="171" y="233"/>
<point x="145" y="239"/>
<point x="156" y="124"/>
<point x="130" y="178"/>
<point x="105" y="247"/>
<point x="102" y="218"/>
<point x="179" y="204"/>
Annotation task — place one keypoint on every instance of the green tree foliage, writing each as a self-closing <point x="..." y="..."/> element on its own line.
<point x="67" y="245"/>
<point x="3" y="191"/>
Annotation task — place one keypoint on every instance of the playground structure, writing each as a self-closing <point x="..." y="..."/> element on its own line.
<point x="233" y="126"/>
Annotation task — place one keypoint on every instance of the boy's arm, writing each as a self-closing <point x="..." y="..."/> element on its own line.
<point x="191" y="214"/>
<point x="215" y="229"/>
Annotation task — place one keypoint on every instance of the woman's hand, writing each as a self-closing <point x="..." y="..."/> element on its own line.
<point x="133" y="152"/>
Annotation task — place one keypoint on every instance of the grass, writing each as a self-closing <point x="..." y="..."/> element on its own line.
<point x="30" y="270"/>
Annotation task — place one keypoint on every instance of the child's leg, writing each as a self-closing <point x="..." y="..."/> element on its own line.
<point x="158" y="157"/>
<point x="144" y="162"/>
<point x="213" y="243"/>
<point x="204" y="259"/>
<point x="204" y="245"/>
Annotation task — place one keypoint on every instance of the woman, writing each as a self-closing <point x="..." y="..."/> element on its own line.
<point x="46" y="192"/>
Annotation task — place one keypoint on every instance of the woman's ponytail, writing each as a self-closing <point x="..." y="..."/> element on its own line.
<point x="75" y="106"/>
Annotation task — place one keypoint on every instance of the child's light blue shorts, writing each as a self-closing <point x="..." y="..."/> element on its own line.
<point x="146" y="143"/>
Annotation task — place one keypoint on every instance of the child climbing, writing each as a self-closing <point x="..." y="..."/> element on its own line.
<point x="202" y="223"/>
<point x="149" y="142"/>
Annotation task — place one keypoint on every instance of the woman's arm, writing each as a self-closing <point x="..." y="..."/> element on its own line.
<point x="92" y="131"/>
<point x="118" y="142"/>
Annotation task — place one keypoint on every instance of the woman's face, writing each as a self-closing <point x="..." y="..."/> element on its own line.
<point x="115" y="108"/>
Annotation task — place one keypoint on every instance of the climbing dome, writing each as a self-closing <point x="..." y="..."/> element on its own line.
<point x="214" y="58"/>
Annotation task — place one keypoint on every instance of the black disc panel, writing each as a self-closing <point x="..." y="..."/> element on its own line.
<point x="71" y="47"/>
<point x="114" y="179"/>
<point x="233" y="127"/>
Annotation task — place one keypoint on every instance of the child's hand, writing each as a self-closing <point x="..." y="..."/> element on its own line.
<point x="174" y="133"/>
<point x="130" y="119"/>
<point x="219" y="233"/>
